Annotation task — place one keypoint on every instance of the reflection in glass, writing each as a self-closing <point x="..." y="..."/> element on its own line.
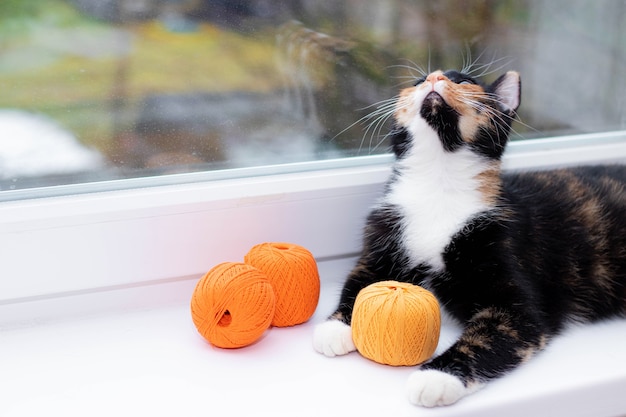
<point x="93" y="90"/>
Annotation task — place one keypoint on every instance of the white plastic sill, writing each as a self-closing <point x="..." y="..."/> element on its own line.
<point x="148" y="359"/>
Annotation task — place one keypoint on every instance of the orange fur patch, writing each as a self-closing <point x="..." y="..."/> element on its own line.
<point x="405" y="111"/>
<point x="490" y="184"/>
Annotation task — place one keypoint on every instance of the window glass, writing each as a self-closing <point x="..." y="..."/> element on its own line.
<point x="94" y="90"/>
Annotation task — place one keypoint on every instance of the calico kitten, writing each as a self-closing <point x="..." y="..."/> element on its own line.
<point x="512" y="256"/>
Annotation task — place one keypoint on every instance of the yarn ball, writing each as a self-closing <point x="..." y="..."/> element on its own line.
<point x="396" y="323"/>
<point x="232" y="305"/>
<point x="292" y="271"/>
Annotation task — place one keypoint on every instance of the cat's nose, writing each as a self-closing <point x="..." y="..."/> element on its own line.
<point x="435" y="76"/>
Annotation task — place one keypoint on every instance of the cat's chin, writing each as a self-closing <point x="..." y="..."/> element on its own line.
<point x="433" y="99"/>
<point x="432" y="388"/>
<point x="333" y="338"/>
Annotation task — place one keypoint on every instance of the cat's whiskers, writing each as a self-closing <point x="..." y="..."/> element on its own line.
<point x="409" y="80"/>
<point x="415" y="71"/>
<point x="475" y="100"/>
<point x="376" y="120"/>
<point x="468" y="62"/>
<point x="412" y="68"/>
<point x="379" y="117"/>
<point x="472" y="68"/>
<point x="383" y="106"/>
<point x="384" y="110"/>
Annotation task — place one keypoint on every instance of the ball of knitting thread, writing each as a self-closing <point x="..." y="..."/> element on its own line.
<point x="292" y="271"/>
<point x="232" y="305"/>
<point x="395" y="323"/>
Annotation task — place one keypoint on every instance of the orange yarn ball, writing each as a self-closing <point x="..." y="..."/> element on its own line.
<point x="292" y="271"/>
<point x="232" y="305"/>
<point x="395" y="323"/>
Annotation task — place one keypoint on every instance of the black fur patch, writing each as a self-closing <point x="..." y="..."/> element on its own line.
<point x="443" y="119"/>
<point x="400" y="141"/>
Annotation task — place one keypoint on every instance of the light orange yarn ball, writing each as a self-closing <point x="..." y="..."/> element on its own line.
<point x="232" y="305"/>
<point x="292" y="271"/>
<point x="396" y="323"/>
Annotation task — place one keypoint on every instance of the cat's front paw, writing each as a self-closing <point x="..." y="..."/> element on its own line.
<point x="333" y="338"/>
<point x="430" y="388"/>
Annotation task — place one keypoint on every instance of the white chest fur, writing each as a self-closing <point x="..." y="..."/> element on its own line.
<point x="437" y="192"/>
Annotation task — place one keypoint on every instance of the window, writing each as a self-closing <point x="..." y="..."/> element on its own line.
<point x="170" y="221"/>
<point x="126" y="97"/>
<point x="95" y="91"/>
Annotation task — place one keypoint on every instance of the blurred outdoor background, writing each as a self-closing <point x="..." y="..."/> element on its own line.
<point x="93" y="90"/>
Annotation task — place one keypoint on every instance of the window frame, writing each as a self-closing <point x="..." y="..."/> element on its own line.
<point x="175" y="231"/>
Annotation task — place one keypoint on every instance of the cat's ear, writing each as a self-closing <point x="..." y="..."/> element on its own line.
<point x="508" y="89"/>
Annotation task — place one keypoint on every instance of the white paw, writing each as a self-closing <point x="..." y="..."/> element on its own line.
<point x="333" y="338"/>
<point x="430" y="388"/>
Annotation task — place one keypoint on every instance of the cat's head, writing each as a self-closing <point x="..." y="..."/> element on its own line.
<point x="460" y="110"/>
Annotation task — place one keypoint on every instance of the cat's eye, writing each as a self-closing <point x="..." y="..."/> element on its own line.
<point x="465" y="82"/>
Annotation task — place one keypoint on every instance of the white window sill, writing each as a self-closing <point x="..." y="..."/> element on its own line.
<point x="94" y="293"/>
<point x="151" y="361"/>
